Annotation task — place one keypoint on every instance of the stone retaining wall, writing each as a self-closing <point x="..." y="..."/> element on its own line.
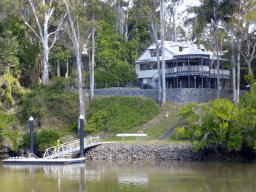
<point x="183" y="96"/>
<point x="133" y="152"/>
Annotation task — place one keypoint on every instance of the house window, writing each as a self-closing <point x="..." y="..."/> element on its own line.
<point x="180" y="48"/>
<point x="148" y="66"/>
<point x="153" y="52"/>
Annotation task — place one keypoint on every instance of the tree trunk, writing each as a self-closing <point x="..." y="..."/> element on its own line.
<point x="155" y="31"/>
<point x="218" y="60"/>
<point x="126" y="28"/>
<point x="34" y="75"/>
<point x="247" y="58"/>
<point x="80" y="88"/>
<point x="58" y="69"/>
<point x="66" y="75"/>
<point x="46" y="69"/>
<point x="238" y="70"/>
<point x="75" y="36"/>
<point x="163" y="100"/>
<point x="120" y="21"/>
<point x="174" y="23"/>
<point x="92" y="67"/>
<point x="233" y="66"/>
<point x="43" y="35"/>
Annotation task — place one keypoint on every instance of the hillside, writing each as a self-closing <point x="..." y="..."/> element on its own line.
<point x="55" y="110"/>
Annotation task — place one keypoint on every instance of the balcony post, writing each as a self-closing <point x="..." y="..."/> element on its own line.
<point x="177" y="72"/>
<point x="209" y="72"/>
<point x="229" y="78"/>
<point x="174" y="81"/>
<point x="222" y="78"/>
<point x="188" y="73"/>
<point x="215" y="82"/>
<point x="202" y="61"/>
<point x="173" y="64"/>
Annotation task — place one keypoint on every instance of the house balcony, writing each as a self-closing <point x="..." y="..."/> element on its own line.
<point x="196" y="70"/>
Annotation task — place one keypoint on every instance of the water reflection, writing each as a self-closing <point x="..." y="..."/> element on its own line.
<point x="137" y="180"/>
<point x="59" y="173"/>
<point x="71" y="172"/>
<point x="129" y="176"/>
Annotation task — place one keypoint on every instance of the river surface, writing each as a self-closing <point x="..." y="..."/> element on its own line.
<point x="129" y="176"/>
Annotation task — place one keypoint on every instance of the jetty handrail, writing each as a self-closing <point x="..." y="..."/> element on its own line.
<point x="66" y="148"/>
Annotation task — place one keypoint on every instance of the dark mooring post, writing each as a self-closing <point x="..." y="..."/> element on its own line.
<point x="81" y="121"/>
<point x="31" y="134"/>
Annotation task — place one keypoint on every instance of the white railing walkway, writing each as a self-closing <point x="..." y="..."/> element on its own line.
<point x="66" y="149"/>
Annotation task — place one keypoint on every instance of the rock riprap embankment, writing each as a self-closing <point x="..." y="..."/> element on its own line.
<point x="142" y="152"/>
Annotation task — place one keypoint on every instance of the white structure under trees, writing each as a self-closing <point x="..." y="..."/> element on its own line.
<point x="187" y="66"/>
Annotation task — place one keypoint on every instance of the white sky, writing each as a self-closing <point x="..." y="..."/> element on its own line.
<point x="187" y="3"/>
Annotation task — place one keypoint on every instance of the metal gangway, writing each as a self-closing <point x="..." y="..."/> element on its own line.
<point x="65" y="150"/>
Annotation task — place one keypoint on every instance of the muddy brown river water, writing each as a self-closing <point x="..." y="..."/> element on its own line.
<point x="129" y="176"/>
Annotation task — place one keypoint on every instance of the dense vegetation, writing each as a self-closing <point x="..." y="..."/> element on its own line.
<point x="221" y="125"/>
<point x="8" y="131"/>
<point x="119" y="73"/>
<point x="49" y="105"/>
<point x="42" y="140"/>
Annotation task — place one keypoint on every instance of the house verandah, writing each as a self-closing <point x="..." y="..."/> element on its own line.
<point x="187" y="66"/>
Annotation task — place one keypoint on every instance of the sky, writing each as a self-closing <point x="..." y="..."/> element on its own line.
<point x="182" y="8"/>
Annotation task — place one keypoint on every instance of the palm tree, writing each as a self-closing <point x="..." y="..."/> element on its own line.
<point x="210" y="12"/>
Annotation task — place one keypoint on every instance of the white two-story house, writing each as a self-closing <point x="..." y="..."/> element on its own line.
<point x="187" y="66"/>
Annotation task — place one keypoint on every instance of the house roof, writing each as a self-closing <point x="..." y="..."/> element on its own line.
<point x="172" y="49"/>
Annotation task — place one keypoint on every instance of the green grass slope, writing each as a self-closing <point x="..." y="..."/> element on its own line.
<point x="119" y="114"/>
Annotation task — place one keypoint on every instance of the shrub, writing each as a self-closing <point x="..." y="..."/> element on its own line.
<point x="42" y="139"/>
<point x="214" y="126"/>
<point x="44" y="102"/>
<point x="61" y="83"/>
<point x="119" y="73"/>
<point x="8" y="131"/>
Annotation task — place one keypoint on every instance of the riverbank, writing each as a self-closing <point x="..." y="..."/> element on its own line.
<point x="164" y="152"/>
<point x="133" y="152"/>
<point x="6" y="152"/>
<point x="149" y="152"/>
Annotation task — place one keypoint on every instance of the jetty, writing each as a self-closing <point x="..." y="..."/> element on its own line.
<point x="59" y="154"/>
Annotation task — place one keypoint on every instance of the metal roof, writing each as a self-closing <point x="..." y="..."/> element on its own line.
<point x="172" y="50"/>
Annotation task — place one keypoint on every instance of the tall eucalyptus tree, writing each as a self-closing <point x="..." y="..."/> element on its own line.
<point x="77" y="29"/>
<point x="173" y="5"/>
<point x="43" y="14"/>
<point x="92" y="11"/>
<point x="248" y="29"/>
<point x="162" y="16"/>
<point x="210" y="12"/>
<point x="147" y="11"/>
<point x="154" y="27"/>
<point x="229" y="19"/>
